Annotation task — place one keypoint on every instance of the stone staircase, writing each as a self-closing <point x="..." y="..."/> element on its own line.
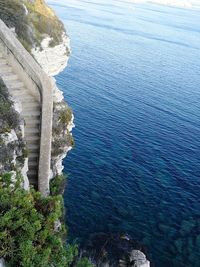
<point x="31" y="112"/>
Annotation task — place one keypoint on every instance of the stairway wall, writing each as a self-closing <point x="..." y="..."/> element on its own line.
<point x="41" y="86"/>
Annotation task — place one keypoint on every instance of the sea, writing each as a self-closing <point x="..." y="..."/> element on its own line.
<point x="133" y="82"/>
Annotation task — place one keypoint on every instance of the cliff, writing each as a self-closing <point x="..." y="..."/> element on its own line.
<point x="39" y="30"/>
<point x="43" y="35"/>
<point x="35" y="135"/>
<point x="13" y="150"/>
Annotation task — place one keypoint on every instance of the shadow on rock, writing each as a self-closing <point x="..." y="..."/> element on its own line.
<point x="112" y="250"/>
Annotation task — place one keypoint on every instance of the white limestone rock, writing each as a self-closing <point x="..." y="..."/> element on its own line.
<point x="9" y="137"/>
<point x="24" y="171"/>
<point x="71" y="124"/>
<point x="139" y="259"/>
<point x="57" y="226"/>
<point x="57" y="163"/>
<point x="2" y="263"/>
<point x="53" y="59"/>
<point x="57" y="94"/>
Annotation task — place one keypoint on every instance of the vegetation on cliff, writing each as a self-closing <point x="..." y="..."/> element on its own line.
<point x="62" y="138"/>
<point x="32" y="229"/>
<point x="27" y="228"/>
<point x="32" y="21"/>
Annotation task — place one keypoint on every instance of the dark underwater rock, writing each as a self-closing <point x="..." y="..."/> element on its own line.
<point x="112" y="250"/>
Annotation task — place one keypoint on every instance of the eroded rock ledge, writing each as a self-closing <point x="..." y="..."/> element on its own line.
<point x="53" y="60"/>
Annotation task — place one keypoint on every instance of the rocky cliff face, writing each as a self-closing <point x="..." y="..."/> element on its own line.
<point x="53" y="59"/>
<point x="39" y="30"/>
<point x="13" y="151"/>
<point x="42" y="34"/>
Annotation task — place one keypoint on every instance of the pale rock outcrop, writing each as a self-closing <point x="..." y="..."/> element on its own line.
<point x="2" y="263"/>
<point x="138" y="259"/>
<point x="9" y="138"/>
<point x="24" y="171"/>
<point x="71" y="125"/>
<point x="57" y="162"/>
<point x="61" y="139"/>
<point x="53" y="60"/>
<point x="12" y="142"/>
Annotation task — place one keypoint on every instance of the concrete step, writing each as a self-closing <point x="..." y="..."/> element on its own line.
<point x="27" y="121"/>
<point x="3" y="61"/>
<point x="31" y="104"/>
<point x="32" y="138"/>
<point x="33" y="163"/>
<point x="9" y="76"/>
<point x="18" y="93"/>
<point x="32" y="130"/>
<point x="31" y="113"/>
<point x="26" y="98"/>
<point x="33" y="177"/>
<point x="33" y="148"/>
<point x="33" y="157"/>
<point x="4" y="68"/>
<point x="30" y="119"/>
<point x="33" y="170"/>
<point x="32" y="99"/>
<point x="33" y="142"/>
<point x="32" y="123"/>
<point x="18" y="89"/>
<point x="34" y="182"/>
<point x="32" y="109"/>
<point x="14" y="84"/>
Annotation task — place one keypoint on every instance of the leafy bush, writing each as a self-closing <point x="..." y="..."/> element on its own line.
<point x="57" y="185"/>
<point x="27" y="227"/>
<point x="65" y="116"/>
<point x="28" y="237"/>
<point x="84" y="262"/>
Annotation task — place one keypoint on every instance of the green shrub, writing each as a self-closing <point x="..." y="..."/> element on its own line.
<point x="65" y="116"/>
<point x="27" y="234"/>
<point x="84" y="262"/>
<point x="57" y="185"/>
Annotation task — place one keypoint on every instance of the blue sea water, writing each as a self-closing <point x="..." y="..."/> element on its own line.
<point x="133" y="82"/>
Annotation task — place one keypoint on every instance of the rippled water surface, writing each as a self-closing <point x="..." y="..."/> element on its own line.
<point x="133" y="82"/>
